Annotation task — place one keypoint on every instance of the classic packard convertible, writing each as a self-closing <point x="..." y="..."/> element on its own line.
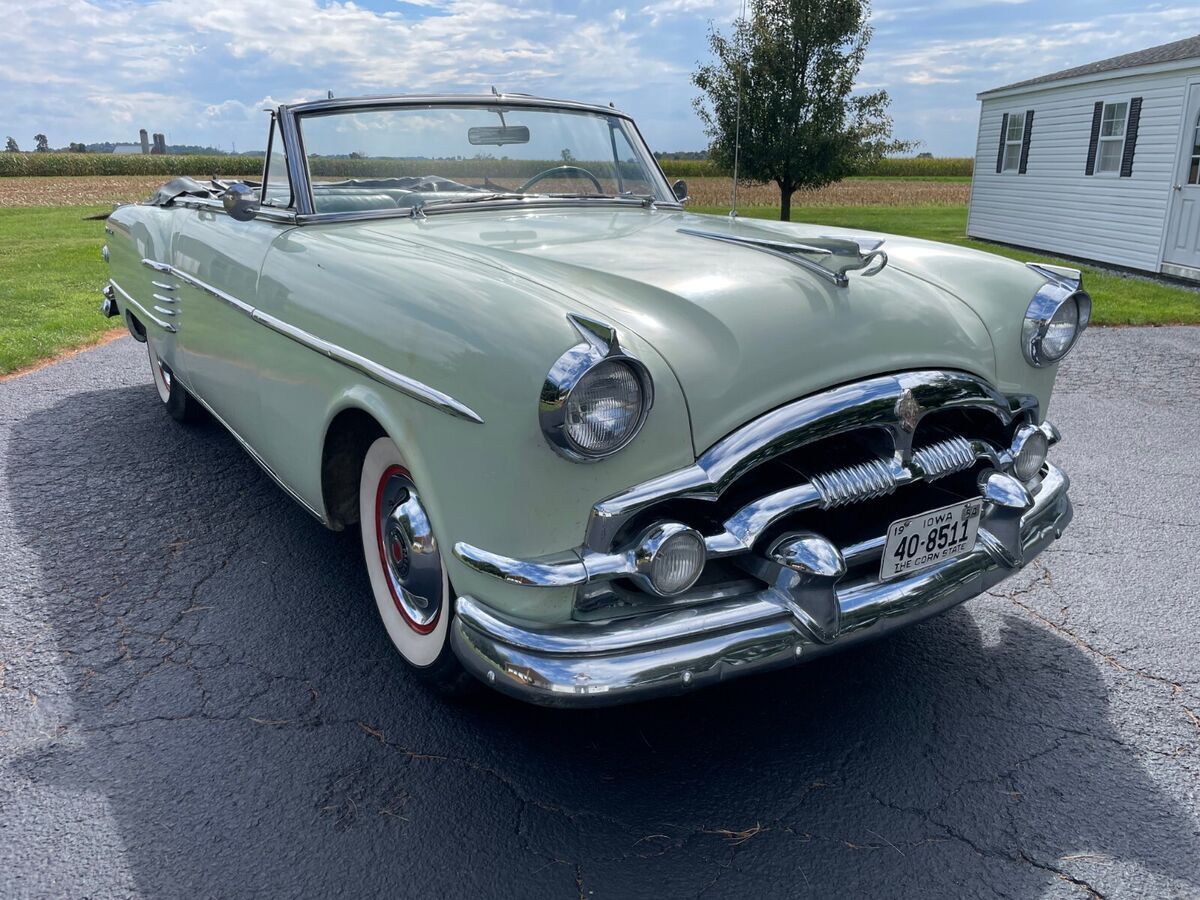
<point x="600" y="448"/>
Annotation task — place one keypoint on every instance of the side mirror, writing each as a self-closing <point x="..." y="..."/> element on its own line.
<point x="240" y="202"/>
<point x="680" y="189"/>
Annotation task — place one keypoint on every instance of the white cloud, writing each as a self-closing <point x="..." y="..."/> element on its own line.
<point x="986" y="62"/>
<point x="100" y="69"/>
<point x="120" y="62"/>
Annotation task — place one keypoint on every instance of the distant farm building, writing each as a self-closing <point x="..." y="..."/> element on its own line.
<point x="1100" y="162"/>
<point x="159" y="145"/>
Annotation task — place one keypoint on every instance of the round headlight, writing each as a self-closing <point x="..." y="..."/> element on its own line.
<point x="1053" y="322"/>
<point x="670" y="558"/>
<point x="1029" y="453"/>
<point x="1061" y="330"/>
<point x="604" y="409"/>
<point x="596" y="396"/>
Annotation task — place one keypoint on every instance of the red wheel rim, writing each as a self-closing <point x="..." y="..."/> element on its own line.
<point x="382" y="545"/>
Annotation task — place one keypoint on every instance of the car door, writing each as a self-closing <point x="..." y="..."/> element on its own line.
<point x="1183" y="230"/>
<point x="216" y="338"/>
<point x="219" y="344"/>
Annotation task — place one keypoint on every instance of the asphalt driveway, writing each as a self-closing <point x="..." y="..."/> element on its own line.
<point x="196" y="699"/>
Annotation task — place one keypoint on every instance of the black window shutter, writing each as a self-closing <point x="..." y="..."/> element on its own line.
<point x="1131" y="132"/>
<point x="1097" y="115"/>
<point x="1003" y="135"/>
<point x="1025" y="142"/>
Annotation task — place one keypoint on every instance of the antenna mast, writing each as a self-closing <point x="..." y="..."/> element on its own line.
<point x="737" y="128"/>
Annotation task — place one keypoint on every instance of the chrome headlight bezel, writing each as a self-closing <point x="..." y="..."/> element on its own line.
<point x="1062" y="287"/>
<point x="599" y="345"/>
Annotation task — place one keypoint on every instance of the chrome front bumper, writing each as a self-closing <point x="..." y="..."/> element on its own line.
<point x="603" y="663"/>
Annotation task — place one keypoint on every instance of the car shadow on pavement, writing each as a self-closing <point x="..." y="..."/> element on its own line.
<point x="230" y="693"/>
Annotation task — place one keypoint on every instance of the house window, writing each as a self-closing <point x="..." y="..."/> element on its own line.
<point x="1012" y="141"/>
<point x="1112" y="137"/>
<point x="1194" y="169"/>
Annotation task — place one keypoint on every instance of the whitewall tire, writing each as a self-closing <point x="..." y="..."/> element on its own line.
<point x="181" y="405"/>
<point x="404" y="562"/>
<point x="160" y="374"/>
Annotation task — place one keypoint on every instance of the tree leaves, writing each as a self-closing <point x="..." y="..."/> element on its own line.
<point x="794" y="63"/>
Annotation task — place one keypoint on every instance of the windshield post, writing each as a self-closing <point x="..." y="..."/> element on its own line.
<point x="297" y="161"/>
<point x="612" y="136"/>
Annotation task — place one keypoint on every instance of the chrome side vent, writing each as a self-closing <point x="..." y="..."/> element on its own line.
<point x="854" y="483"/>
<point x="945" y="458"/>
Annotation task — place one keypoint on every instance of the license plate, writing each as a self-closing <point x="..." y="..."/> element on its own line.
<point x="932" y="537"/>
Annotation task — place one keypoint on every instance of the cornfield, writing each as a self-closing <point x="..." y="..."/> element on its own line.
<point x="856" y="192"/>
<point x="58" y="164"/>
<point x="705" y="192"/>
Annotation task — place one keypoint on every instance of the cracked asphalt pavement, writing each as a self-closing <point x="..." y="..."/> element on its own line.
<point x="196" y="699"/>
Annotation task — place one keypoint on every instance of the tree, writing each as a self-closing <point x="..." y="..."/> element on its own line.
<point x="10" y="145"/>
<point x="794" y="63"/>
<point x="42" y="143"/>
<point x="77" y="147"/>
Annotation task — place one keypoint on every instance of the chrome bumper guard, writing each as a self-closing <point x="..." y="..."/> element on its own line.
<point x="802" y="615"/>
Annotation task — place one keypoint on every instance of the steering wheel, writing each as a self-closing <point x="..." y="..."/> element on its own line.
<point x="558" y="170"/>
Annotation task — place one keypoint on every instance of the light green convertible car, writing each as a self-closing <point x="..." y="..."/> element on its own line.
<point x="600" y="448"/>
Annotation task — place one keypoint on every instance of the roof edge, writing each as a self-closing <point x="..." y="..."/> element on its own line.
<point x="1106" y="75"/>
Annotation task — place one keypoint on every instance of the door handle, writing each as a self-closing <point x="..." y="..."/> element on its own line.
<point x="1179" y="187"/>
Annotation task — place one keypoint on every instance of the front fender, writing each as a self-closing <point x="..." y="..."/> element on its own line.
<point x="488" y="341"/>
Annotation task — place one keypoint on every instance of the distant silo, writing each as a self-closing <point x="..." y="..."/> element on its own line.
<point x="145" y="140"/>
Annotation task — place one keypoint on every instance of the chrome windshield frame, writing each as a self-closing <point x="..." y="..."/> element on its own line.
<point x="289" y="117"/>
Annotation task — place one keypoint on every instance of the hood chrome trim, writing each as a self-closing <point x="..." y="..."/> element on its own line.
<point x="844" y="255"/>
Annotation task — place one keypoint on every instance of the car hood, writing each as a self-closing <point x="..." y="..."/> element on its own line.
<point x="744" y="331"/>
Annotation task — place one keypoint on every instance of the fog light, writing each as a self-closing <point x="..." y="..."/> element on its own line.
<point x="1029" y="452"/>
<point x="670" y="558"/>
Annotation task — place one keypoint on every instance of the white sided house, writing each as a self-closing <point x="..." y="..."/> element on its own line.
<point x="1100" y="162"/>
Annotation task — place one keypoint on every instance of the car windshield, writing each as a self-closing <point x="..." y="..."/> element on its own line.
<point x="413" y="156"/>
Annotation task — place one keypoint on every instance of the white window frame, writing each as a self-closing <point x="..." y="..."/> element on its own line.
<point x="1193" y="157"/>
<point x="1012" y="148"/>
<point x="1118" y="139"/>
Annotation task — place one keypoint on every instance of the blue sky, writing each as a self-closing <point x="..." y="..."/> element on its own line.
<point x="88" y="70"/>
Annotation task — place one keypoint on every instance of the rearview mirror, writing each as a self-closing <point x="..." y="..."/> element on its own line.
<point x="498" y="135"/>
<point x="240" y="202"/>
<point x="680" y="190"/>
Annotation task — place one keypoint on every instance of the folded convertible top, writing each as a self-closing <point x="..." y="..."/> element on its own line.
<point x="178" y="187"/>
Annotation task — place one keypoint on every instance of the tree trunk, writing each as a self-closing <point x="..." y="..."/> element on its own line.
<point x="785" y="202"/>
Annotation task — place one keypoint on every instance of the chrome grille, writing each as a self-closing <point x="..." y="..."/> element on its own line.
<point x="854" y="483"/>
<point x="945" y="458"/>
<point x="879" y="477"/>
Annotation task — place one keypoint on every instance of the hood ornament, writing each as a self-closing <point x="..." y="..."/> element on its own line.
<point x="829" y="257"/>
<point x="908" y="410"/>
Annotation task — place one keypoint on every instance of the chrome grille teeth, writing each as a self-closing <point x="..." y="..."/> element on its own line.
<point x="854" y="483"/>
<point x="876" y="478"/>
<point x="945" y="458"/>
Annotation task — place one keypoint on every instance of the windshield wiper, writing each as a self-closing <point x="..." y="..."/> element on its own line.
<point x="418" y="209"/>
<point x="481" y="198"/>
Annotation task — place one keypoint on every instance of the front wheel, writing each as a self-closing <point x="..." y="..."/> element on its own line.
<point x="404" y="563"/>
<point x="181" y="406"/>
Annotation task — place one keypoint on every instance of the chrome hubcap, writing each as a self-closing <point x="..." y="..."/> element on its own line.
<point x="408" y="551"/>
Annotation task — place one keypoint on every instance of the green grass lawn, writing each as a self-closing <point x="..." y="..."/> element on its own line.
<point x="51" y="276"/>
<point x="1118" y="299"/>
